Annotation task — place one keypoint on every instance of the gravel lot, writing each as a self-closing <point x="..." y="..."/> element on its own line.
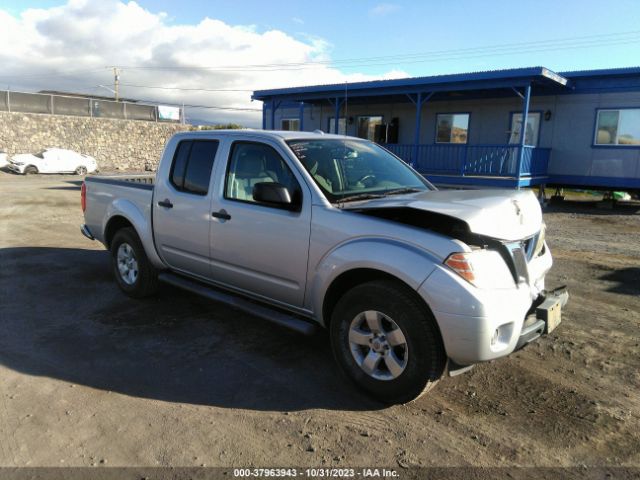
<point x="89" y="377"/>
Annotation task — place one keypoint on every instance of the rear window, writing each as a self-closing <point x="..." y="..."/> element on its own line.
<point x="192" y="165"/>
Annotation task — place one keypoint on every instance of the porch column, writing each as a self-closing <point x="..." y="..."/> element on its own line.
<point x="273" y="114"/>
<point x="336" y="123"/>
<point x="419" y="101"/>
<point x="416" y="137"/>
<point x="264" y="115"/>
<point x="523" y="129"/>
<point x="301" y="116"/>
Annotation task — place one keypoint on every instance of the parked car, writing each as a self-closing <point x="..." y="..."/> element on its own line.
<point x="306" y="229"/>
<point x="53" y="160"/>
<point x="3" y="159"/>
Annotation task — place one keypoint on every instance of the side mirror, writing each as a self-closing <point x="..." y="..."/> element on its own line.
<point x="274" y="194"/>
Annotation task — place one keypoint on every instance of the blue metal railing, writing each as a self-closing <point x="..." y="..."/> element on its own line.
<point x="470" y="160"/>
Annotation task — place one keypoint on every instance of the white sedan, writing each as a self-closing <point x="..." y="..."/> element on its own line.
<point x="53" y="160"/>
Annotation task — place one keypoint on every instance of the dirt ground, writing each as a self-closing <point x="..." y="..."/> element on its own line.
<point x="89" y="377"/>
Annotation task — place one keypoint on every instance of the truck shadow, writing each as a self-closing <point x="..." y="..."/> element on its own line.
<point x="64" y="317"/>
<point x="627" y="281"/>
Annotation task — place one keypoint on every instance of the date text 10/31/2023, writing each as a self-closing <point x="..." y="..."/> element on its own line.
<point x="316" y="472"/>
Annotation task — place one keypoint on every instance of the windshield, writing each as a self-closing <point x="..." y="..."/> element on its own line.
<point x="354" y="169"/>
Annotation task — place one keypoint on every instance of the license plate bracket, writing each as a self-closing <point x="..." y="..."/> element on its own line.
<point x="551" y="312"/>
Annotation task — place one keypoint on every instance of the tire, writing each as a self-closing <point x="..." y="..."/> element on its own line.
<point x="134" y="273"/>
<point x="30" y="170"/>
<point x="402" y="373"/>
<point x="81" y="170"/>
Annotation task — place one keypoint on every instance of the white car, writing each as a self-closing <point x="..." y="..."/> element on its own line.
<point x="3" y="159"/>
<point x="53" y="160"/>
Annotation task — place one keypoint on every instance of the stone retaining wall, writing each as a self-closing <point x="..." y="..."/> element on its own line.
<point x="115" y="144"/>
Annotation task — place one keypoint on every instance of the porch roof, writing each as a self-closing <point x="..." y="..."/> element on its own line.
<point x="462" y="85"/>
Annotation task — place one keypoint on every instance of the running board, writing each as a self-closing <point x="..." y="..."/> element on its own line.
<point x="276" y="316"/>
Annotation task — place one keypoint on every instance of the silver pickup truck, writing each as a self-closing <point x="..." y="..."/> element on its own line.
<point x="307" y="229"/>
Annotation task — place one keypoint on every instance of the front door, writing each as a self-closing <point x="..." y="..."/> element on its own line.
<point x="533" y="129"/>
<point x="182" y="208"/>
<point x="255" y="247"/>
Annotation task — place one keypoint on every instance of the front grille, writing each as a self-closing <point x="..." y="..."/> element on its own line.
<point x="518" y="254"/>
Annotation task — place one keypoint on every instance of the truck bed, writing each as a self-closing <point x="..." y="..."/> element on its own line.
<point x="133" y="193"/>
<point x="144" y="181"/>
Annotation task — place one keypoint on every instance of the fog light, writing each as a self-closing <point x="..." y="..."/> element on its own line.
<point x="496" y="336"/>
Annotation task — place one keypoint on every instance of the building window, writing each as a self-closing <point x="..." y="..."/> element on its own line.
<point x="618" y="127"/>
<point x="452" y="128"/>
<point x="367" y="127"/>
<point x="342" y="125"/>
<point x="292" y="124"/>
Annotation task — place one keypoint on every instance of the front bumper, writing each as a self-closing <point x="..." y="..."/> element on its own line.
<point x="479" y="325"/>
<point x="16" y="168"/>
<point x="544" y="316"/>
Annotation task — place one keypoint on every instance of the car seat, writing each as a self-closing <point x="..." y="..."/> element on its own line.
<point x="247" y="170"/>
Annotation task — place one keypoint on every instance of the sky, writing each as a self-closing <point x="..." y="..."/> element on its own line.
<point x="239" y="46"/>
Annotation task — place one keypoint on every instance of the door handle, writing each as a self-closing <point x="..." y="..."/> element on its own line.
<point x="166" y="203"/>
<point x="222" y="214"/>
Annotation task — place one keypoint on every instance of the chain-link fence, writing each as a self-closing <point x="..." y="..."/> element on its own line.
<point x="84" y="106"/>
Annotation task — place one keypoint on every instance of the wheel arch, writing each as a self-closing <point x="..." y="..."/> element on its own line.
<point x="361" y="260"/>
<point x="115" y="223"/>
<point x="351" y="279"/>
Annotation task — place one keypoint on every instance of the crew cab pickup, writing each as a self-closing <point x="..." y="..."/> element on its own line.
<point x="307" y="230"/>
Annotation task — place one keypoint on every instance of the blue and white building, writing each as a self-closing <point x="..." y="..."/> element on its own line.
<point x="580" y="129"/>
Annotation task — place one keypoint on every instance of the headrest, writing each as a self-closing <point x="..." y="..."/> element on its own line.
<point x="250" y="163"/>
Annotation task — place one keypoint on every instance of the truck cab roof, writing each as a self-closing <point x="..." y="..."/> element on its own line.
<point x="272" y="134"/>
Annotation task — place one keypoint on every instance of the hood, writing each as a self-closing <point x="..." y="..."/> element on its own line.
<point x="501" y="214"/>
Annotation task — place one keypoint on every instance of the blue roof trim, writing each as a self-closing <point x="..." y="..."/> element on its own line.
<point x="529" y="73"/>
<point x="456" y="81"/>
<point x="604" y="72"/>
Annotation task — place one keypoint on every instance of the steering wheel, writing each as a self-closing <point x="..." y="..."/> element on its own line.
<point x="366" y="178"/>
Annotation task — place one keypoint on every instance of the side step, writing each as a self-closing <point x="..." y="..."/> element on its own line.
<point x="276" y="316"/>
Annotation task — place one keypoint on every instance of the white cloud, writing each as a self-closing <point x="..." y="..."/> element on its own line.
<point x="69" y="47"/>
<point x="297" y="20"/>
<point x="382" y="9"/>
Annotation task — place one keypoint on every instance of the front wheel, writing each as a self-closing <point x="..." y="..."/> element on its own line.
<point x="386" y="340"/>
<point x="134" y="273"/>
<point x="30" y="170"/>
<point x="81" y="170"/>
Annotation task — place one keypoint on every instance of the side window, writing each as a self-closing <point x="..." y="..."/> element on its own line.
<point x="252" y="163"/>
<point x="192" y="164"/>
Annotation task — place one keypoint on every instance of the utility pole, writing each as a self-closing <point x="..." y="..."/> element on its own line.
<point x="116" y="83"/>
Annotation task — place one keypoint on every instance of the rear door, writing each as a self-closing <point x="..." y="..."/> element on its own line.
<point x="182" y="207"/>
<point x="258" y="248"/>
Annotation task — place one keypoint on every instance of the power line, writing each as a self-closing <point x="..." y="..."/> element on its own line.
<point x="49" y="74"/>
<point x="567" y="43"/>
<point x="499" y="49"/>
<point x="188" y="89"/>
<point x="212" y="107"/>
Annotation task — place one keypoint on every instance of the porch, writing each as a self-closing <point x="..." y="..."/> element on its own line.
<point x="509" y="166"/>
<point x="448" y="156"/>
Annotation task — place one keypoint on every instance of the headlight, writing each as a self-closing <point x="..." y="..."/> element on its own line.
<point x="540" y="241"/>
<point x="482" y="268"/>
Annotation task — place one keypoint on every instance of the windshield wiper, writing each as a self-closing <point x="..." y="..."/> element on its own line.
<point x="369" y="196"/>
<point x="400" y="191"/>
<point x="361" y="196"/>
